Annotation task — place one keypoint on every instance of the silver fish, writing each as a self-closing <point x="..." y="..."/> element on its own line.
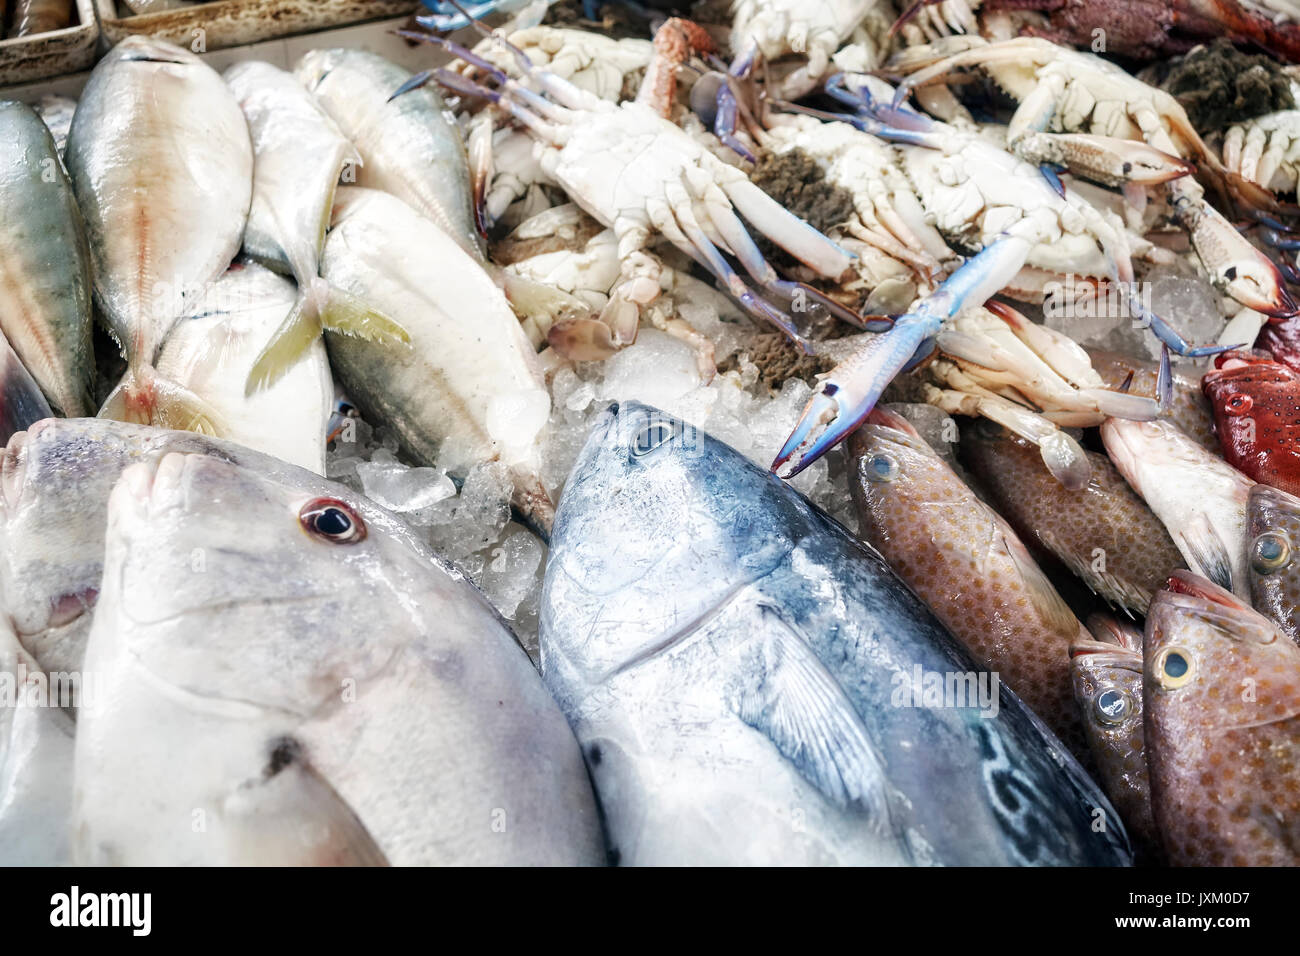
<point x="409" y="146"/>
<point x="469" y="388"/>
<point x="295" y="672"/>
<point x="21" y="401"/>
<point x="298" y="154"/>
<point x="45" y="287"/>
<point x="210" y="352"/>
<point x="36" y="740"/>
<point x="56" y="478"/>
<point x="740" y="673"/>
<point x="56" y="112"/>
<point x="161" y="161"/>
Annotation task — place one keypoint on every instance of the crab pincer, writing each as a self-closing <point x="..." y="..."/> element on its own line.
<point x="849" y="393"/>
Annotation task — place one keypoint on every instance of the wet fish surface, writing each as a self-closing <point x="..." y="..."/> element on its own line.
<point x="1272" y="558"/>
<point x="965" y="562"/>
<point x="45" y="282"/>
<point x="1222" y="697"/>
<point x="162" y="165"/>
<point x="734" y="665"/>
<point x="363" y="704"/>
<point x="1103" y="532"/>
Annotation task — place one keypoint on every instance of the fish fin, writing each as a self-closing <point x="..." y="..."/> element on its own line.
<point x="1113" y="589"/>
<point x="1205" y="551"/>
<point x="292" y="816"/>
<point x="319" y="306"/>
<point x="785" y="693"/>
<point x="145" y="398"/>
<point x="1042" y="594"/>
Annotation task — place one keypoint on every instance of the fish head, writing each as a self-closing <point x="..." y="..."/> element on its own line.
<point x="55" y="479"/>
<point x="1106" y="671"/>
<point x="1273" y="561"/>
<point x="1281" y="339"/>
<point x="893" y="463"/>
<point x="1211" y="663"/>
<point x="149" y="49"/>
<point x="658" y="524"/>
<point x="1254" y="398"/>
<point x="315" y="65"/>
<point x="255" y="562"/>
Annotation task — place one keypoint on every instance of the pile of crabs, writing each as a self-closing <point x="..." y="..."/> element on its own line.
<point x="989" y="155"/>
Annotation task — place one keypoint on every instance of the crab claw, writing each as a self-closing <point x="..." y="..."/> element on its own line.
<point x="1103" y="159"/>
<point x="850" y="392"/>
<point x="1241" y="270"/>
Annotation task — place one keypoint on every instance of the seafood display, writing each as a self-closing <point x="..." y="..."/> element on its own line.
<point x="764" y="433"/>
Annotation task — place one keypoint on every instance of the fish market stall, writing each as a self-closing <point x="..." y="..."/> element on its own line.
<point x="429" y="445"/>
<point x="47" y="39"/>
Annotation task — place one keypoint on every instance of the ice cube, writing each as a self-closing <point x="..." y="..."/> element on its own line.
<point x="512" y="570"/>
<point x="657" y="370"/>
<point x="401" y="488"/>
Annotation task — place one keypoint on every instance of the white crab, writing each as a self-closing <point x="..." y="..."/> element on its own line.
<point x="1266" y="150"/>
<point x="1078" y="95"/>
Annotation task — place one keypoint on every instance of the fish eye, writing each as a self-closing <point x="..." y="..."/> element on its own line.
<point x="651" y="436"/>
<point x="882" y="468"/>
<point x="1174" y="667"/>
<point x="1113" y="705"/>
<point x="1238" y="403"/>
<point x="1270" y="551"/>
<point x="332" y="520"/>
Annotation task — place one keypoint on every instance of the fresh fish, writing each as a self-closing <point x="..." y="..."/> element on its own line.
<point x="56" y="112"/>
<point x="210" y="351"/>
<point x="1222" y="698"/>
<point x="468" y="388"/>
<point x="1188" y="408"/>
<point x="728" y="657"/>
<point x="36" y="739"/>
<point x="162" y="165"/>
<point x="40" y="16"/>
<point x="45" y="287"/>
<point x="1273" y="540"/>
<point x="409" y="145"/>
<point x="1199" y="497"/>
<point x="1106" y="667"/>
<point x="298" y="154"/>
<point x="21" y="401"/>
<point x="1104" y="532"/>
<point x="1257" y="416"/>
<point x="297" y="673"/>
<point x="933" y="530"/>
<point x="1281" y="339"/>
<point x="56" y="478"/>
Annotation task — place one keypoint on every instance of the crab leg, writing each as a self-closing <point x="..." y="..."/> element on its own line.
<point x="851" y="390"/>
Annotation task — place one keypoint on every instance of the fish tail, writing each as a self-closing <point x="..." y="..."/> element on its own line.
<point x="143" y="397"/>
<point x="319" y="306"/>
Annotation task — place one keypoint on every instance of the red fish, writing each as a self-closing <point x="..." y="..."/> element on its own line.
<point x="1256" y="403"/>
<point x="1281" y="339"/>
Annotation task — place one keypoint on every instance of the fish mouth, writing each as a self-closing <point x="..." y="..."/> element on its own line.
<point x="1272" y="500"/>
<point x="1187" y="594"/>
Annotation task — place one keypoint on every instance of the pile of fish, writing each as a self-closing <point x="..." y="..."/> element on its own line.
<point x="550" y="457"/>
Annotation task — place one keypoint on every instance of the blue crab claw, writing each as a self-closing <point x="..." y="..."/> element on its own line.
<point x="1052" y="173"/>
<point x="857" y="95"/>
<point x="447" y="17"/>
<point x="851" y="390"/>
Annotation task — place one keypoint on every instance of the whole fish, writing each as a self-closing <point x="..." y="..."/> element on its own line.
<point x="45" y="287"/>
<point x="1274" y="535"/>
<point x="210" y="352"/>
<point x="934" y="531"/>
<point x="468" y="389"/>
<point x="1106" y="667"/>
<point x="21" y="401"/>
<point x="1199" y="497"/>
<point x="409" y="144"/>
<point x="40" y="16"/>
<point x="36" y="738"/>
<point x="1222" y="698"/>
<point x="302" y="675"/>
<point x="162" y="165"/>
<point x="1257" y="416"/>
<point x="1103" y="532"/>
<point x="56" y="478"/>
<point x="748" y="682"/>
<point x="298" y="154"/>
<point x="1188" y="408"/>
